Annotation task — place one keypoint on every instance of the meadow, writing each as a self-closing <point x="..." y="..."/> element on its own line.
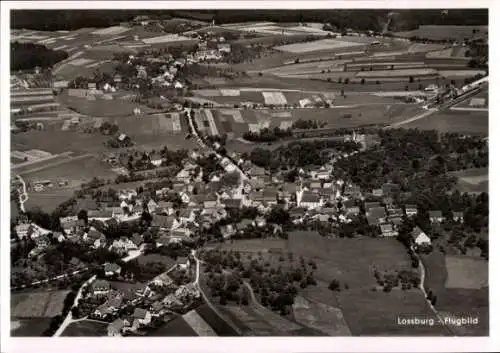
<point x="86" y="328"/>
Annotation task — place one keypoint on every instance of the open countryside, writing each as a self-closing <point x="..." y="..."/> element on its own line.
<point x="221" y="173"/>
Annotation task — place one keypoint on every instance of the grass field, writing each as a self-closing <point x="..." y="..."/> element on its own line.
<point x="318" y="45"/>
<point x="444" y="32"/>
<point x="456" y="301"/>
<point x="199" y="325"/>
<point x="29" y="327"/>
<point x="48" y="200"/>
<point x="86" y="328"/>
<point x="168" y="261"/>
<point x="468" y="273"/>
<point x="37" y="304"/>
<point x="177" y="327"/>
<point x="454" y="121"/>
<point x="253" y="245"/>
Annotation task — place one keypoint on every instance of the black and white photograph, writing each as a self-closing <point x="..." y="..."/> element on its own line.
<point x="247" y="172"/>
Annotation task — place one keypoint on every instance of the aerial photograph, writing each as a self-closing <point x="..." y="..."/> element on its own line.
<point x="249" y="172"/>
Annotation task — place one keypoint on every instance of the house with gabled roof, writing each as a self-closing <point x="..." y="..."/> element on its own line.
<point x="143" y="316"/>
<point x="111" y="269"/>
<point x="151" y="205"/>
<point x="387" y="230"/>
<point x="420" y="238"/>
<point x="165" y="208"/>
<point x="458" y="216"/>
<point x="186" y="215"/>
<point x="350" y="207"/>
<point x="100" y="287"/>
<point x="378" y="213"/>
<point x="436" y="216"/>
<point x="411" y="210"/>
<point x="165" y="222"/>
<point x="308" y="199"/>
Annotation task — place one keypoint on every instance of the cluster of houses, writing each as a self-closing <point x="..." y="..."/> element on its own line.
<point x="160" y="297"/>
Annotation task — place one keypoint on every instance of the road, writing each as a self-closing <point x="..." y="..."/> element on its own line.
<point x="69" y="318"/>
<point x="23" y="197"/>
<point x="414" y="118"/>
<point x="205" y="298"/>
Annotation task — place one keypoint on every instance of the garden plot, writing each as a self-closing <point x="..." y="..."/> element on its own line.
<point x="465" y="272"/>
<point x="230" y="92"/>
<point x="199" y="325"/>
<point x="80" y="62"/>
<point x="211" y="122"/>
<point x="111" y="31"/>
<point x="322" y="44"/>
<point x="274" y="98"/>
<point x="235" y="113"/>
<point x="38" y="304"/>
<point x="176" y="122"/>
<point x="166" y="39"/>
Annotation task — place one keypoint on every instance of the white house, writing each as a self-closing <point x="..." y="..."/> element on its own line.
<point x="308" y="200"/>
<point x="420" y="238"/>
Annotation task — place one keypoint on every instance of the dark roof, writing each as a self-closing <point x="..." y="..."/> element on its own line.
<point x="386" y="227"/>
<point x="94" y="234"/>
<point x="369" y="205"/>
<point x="139" y="313"/>
<point x="244" y="223"/>
<point x="350" y="203"/>
<point x="378" y="212"/>
<point x="101" y="284"/>
<point x="371" y="220"/>
<point x="412" y="206"/>
<point x="232" y="203"/>
<point x="185" y="212"/>
<point x="396" y="220"/>
<point x="435" y="213"/>
<point x="164" y="204"/>
<point x="305" y="233"/>
<point x="298" y="211"/>
<point x="163" y="221"/>
<point x="458" y="214"/>
<point x="310" y="197"/>
<point x="111" y="267"/>
<point x="416" y="232"/>
<point x="99" y="214"/>
<point x="137" y="239"/>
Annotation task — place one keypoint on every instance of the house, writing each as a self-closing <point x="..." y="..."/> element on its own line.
<point x="388" y="230"/>
<point x="436" y="216"/>
<point x="411" y="210"/>
<point x="156" y="159"/>
<point x="256" y="172"/>
<point x="315" y="185"/>
<point x="152" y="205"/>
<point x="170" y="301"/>
<point x="351" y="208"/>
<point x="96" y="238"/>
<point x="123" y="245"/>
<point x="227" y="231"/>
<point x="111" y="307"/>
<point x="395" y="212"/>
<point x="163" y="280"/>
<point x="297" y="213"/>
<point x="389" y="188"/>
<point x="22" y="230"/>
<point x="260" y="221"/>
<point x="396" y="221"/>
<point x="210" y="201"/>
<point x="165" y="208"/>
<point x="183" y="263"/>
<point x="369" y="205"/>
<point x="111" y="269"/>
<point x="388" y="202"/>
<point x="165" y="222"/>
<point x="137" y="239"/>
<point x="244" y="224"/>
<point x="186" y="215"/>
<point x="420" y="238"/>
<point x="127" y="194"/>
<point x="68" y="224"/>
<point x="115" y="328"/>
<point x="232" y="203"/>
<point x="377" y="213"/>
<point x="187" y="291"/>
<point x="183" y="176"/>
<point x="458" y="216"/>
<point x="353" y="191"/>
<point x="100" y="287"/>
<point x="99" y="215"/>
<point x="308" y="200"/>
<point x="377" y="192"/>
<point x="224" y="47"/>
<point x="143" y="316"/>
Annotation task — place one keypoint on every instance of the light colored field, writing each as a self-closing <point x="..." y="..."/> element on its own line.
<point x="111" y="31"/>
<point x="166" y="39"/>
<point x="397" y="73"/>
<point x="163" y="123"/>
<point x="320" y="316"/>
<point x="310" y="30"/>
<point x="420" y="47"/>
<point x="475" y="180"/>
<point x="230" y="92"/>
<point x="281" y="115"/>
<point x="316" y="45"/>
<point x="286" y="124"/>
<point x="31" y="98"/>
<point x="460" y="73"/>
<point x="80" y="62"/>
<point x="211" y="122"/>
<point x="253" y="245"/>
<point x="464" y="272"/>
<point x="209" y="93"/>
<point x="235" y="113"/>
<point x="274" y="98"/>
<point x="198" y="324"/>
<point x="176" y="122"/>
<point x="445" y="53"/>
<point x="38" y="304"/>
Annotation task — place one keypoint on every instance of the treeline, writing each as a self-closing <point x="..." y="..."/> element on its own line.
<point x="27" y="56"/>
<point x="406" y="20"/>
<point x="54" y="20"/>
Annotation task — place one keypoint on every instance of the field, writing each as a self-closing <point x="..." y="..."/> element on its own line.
<point x="253" y="245"/>
<point x="199" y="325"/>
<point x="473" y="180"/>
<point x="48" y="200"/>
<point x="471" y="122"/>
<point x="456" y="301"/>
<point x="166" y="260"/>
<point x="176" y="327"/>
<point x="33" y="327"/>
<point x="37" y="304"/>
<point x="445" y="32"/>
<point x="86" y="328"/>
<point x="466" y="273"/>
<point x="318" y="45"/>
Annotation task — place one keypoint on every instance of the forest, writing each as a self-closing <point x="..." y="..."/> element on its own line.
<point x="27" y="56"/>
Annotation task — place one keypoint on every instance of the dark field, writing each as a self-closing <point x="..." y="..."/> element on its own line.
<point x="454" y="121"/>
<point x="177" y="327"/>
<point x="33" y="327"/>
<point x="86" y="328"/>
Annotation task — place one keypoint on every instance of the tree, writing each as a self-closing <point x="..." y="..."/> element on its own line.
<point x="334" y="285"/>
<point x="362" y="81"/>
<point x="411" y="79"/>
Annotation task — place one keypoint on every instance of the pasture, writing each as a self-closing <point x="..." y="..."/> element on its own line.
<point x="178" y="327"/>
<point x="323" y="44"/>
<point x="468" y="273"/>
<point x="438" y="32"/>
<point x="29" y="327"/>
<point x="456" y="301"/>
<point x="166" y="260"/>
<point x="37" y="304"/>
<point x="468" y="122"/>
<point x="199" y="325"/>
<point x="48" y="200"/>
<point x="253" y="245"/>
<point x="86" y="328"/>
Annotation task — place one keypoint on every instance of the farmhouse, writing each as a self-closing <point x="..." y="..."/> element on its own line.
<point x="420" y="238"/>
<point x="436" y="216"/>
<point x="111" y="269"/>
<point x="100" y="287"/>
<point x="142" y="316"/>
<point x="388" y="230"/>
<point x="115" y="328"/>
<point x="183" y="263"/>
<point x="165" y="222"/>
<point x="308" y="200"/>
<point x="411" y="210"/>
<point x="351" y="208"/>
<point x="458" y="216"/>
